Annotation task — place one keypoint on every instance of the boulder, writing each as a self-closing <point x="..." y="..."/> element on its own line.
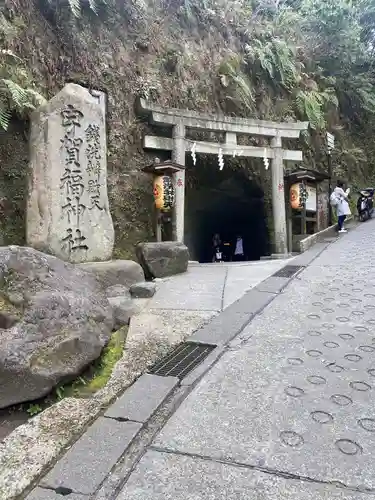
<point x="123" y="309"/>
<point x="117" y="291"/>
<point x="55" y="321"/>
<point x="143" y="290"/>
<point x="115" y="272"/>
<point x="163" y="258"/>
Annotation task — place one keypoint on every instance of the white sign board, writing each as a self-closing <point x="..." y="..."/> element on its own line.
<point x="330" y="141"/>
<point x="311" y="198"/>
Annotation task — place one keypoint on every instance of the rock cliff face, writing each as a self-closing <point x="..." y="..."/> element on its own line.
<point x="55" y="319"/>
<point x="130" y="50"/>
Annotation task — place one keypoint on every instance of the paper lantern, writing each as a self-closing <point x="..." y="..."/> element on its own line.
<point x="297" y="196"/>
<point x="164" y="193"/>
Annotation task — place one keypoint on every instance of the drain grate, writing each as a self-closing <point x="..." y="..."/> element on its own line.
<point x="287" y="271"/>
<point x="182" y="360"/>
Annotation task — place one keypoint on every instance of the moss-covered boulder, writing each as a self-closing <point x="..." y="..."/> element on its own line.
<point x="54" y="320"/>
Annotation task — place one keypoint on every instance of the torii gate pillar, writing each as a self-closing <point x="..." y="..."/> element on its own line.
<point x="178" y="156"/>
<point x="278" y="198"/>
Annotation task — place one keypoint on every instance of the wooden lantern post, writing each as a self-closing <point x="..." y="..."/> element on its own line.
<point x="164" y="195"/>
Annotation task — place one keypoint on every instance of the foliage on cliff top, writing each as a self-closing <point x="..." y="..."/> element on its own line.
<point x="286" y="59"/>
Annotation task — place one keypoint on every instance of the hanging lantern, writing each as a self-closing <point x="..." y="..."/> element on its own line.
<point x="298" y="195"/>
<point x="164" y="193"/>
<point x="294" y="196"/>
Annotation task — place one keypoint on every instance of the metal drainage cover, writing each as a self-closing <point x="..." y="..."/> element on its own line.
<point x="287" y="271"/>
<point x="182" y="360"/>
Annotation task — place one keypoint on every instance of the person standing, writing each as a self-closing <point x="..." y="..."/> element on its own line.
<point x="342" y="205"/>
<point x="216" y="246"/>
<point x="239" y="254"/>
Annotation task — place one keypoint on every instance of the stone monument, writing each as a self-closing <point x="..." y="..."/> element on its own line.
<point x="68" y="211"/>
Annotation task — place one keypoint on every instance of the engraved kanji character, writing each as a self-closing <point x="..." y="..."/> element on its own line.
<point x="75" y="242"/>
<point x="94" y="186"/>
<point x="72" y="148"/>
<point x="71" y="118"/>
<point x="93" y="133"/>
<point x="95" y="200"/>
<point x="73" y="182"/>
<point x="73" y="207"/>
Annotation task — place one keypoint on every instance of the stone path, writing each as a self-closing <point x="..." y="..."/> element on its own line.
<point x="282" y="410"/>
<point x="288" y="411"/>
<point x="212" y="287"/>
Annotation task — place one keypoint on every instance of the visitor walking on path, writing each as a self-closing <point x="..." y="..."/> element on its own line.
<point x="340" y="200"/>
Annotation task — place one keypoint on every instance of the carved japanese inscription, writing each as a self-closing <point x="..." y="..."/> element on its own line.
<point x="68" y="212"/>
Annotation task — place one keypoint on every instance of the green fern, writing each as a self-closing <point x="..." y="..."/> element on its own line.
<point x="16" y="93"/>
<point x="238" y="83"/>
<point x="276" y="58"/>
<point x="5" y="116"/>
<point x="76" y="6"/>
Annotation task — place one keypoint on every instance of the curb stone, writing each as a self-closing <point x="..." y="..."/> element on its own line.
<point x="140" y="401"/>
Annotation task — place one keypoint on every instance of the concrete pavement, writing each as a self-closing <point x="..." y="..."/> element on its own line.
<point x="282" y="408"/>
<point x="212" y="287"/>
<point x="288" y="412"/>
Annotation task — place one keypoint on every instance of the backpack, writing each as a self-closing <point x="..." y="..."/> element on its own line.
<point x="334" y="199"/>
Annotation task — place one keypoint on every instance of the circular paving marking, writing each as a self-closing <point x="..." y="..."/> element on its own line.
<point x="344" y="305"/>
<point x="342" y="319"/>
<point x="329" y="299"/>
<point x="295" y="361"/>
<point x="318" y="304"/>
<point x="321" y="417"/>
<point x="356" y="301"/>
<point x="316" y="380"/>
<point x="313" y="316"/>
<point x="368" y="424"/>
<point x="353" y="357"/>
<point x="341" y="399"/>
<point x="334" y="289"/>
<point x="291" y="438"/>
<point x="335" y="368"/>
<point x="344" y="294"/>
<point x="366" y="348"/>
<point x="360" y="386"/>
<point x="370" y="295"/>
<point x="328" y="326"/>
<point x="361" y="329"/>
<point x="331" y="345"/>
<point x="369" y="306"/>
<point x="328" y="310"/>
<point x="294" y="392"/>
<point x="314" y="333"/>
<point x="371" y="321"/>
<point x="348" y="447"/>
<point x="371" y="372"/>
<point x="313" y="353"/>
<point x="319" y="294"/>
<point x="346" y="336"/>
<point x="357" y="289"/>
<point x="358" y="313"/>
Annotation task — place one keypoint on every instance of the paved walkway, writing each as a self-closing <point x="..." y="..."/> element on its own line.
<point x="212" y="287"/>
<point x="288" y="412"/>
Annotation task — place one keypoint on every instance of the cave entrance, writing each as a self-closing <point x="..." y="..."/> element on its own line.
<point x="227" y="203"/>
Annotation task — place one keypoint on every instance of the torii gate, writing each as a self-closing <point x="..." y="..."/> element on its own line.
<point x="181" y="120"/>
